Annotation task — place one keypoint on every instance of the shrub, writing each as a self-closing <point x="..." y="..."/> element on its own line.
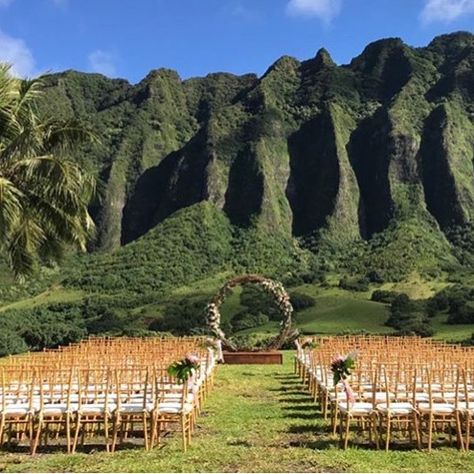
<point x="301" y="301"/>
<point x="384" y="296"/>
<point x="416" y="329"/>
<point x="246" y="320"/>
<point x="360" y="284"/>
<point x="11" y="343"/>
<point x="257" y="301"/>
<point x="375" y="276"/>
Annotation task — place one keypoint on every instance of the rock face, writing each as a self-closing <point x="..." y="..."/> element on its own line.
<point x="310" y="148"/>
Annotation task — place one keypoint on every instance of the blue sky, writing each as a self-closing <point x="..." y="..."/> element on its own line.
<point x="127" y="38"/>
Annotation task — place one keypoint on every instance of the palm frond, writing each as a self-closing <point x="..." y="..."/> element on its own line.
<point x="23" y="246"/>
<point x="10" y="207"/>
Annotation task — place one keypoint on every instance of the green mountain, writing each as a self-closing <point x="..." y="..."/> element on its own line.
<point x="365" y="167"/>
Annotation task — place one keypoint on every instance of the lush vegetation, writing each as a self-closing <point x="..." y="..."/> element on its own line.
<point x="212" y="177"/>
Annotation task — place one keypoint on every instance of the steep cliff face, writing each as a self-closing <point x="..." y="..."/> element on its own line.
<point x="309" y="149"/>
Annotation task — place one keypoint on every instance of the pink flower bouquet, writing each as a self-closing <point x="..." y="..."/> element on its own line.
<point x="183" y="369"/>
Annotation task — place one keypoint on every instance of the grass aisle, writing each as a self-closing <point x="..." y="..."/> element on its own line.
<point x="257" y="419"/>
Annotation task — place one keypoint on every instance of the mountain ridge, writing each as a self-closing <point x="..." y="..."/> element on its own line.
<point x="311" y="150"/>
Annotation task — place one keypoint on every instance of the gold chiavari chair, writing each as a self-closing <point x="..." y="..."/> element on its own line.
<point x="135" y="403"/>
<point x="172" y="406"/>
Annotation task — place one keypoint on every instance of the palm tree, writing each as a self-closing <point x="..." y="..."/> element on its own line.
<point x="44" y="195"/>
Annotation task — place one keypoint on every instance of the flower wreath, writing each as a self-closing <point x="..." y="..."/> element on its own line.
<point x="275" y="288"/>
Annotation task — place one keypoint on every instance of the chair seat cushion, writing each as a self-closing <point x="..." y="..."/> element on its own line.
<point x="437" y="408"/>
<point x="18" y="409"/>
<point x="58" y="409"/>
<point x="97" y="408"/>
<point x="135" y="407"/>
<point x="357" y="408"/>
<point x="396" y="408"/>
<point x="174" y="408"/>
<point x="464" y="407"/>
<point x="337" y="396"/>
<point x="379" y="396"/>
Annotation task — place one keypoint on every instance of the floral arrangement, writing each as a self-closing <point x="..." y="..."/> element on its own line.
<point x="183" y="369"/>
<point x="275" y="288"/>
<point x="341" y="368"/>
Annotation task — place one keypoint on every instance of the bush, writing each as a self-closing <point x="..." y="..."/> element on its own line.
<point x="375" y="276"/>
<point x="408" y="317"/>
<point x="360" y="284"/>
<point x="462" y="314"/>
<point x="384" y="296"/>
<point x="246" y="320"/>
<point x="181" y="317"/>
<point x="259" y="301"/>
<point x="300" y="301"/>
<point x="416" y="329"/>
<point x="11" y="343"/>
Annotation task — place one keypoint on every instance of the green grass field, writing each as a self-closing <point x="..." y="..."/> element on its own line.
<point x="257" y="419"/>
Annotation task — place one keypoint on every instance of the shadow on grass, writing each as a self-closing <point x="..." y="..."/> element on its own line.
<point x="295" y="400"/>
<point x="311" y="407"/>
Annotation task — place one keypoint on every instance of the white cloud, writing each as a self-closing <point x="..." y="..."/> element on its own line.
<point x="326" y="10"/>
<point x="446" y="10"/>
<point x="16" y="52"/>
<point x="103" y="62"/>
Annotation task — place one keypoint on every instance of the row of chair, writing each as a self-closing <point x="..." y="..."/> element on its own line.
<point x="412" y="385"/>
<point x="126" y="391"/>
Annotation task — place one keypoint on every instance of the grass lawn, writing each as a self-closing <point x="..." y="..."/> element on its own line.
<point x="53" y="295"/>
<point x="258" y="419"/>
<point x="335" y="311"/>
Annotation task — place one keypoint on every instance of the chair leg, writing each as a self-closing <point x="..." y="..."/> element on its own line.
<point x="467" y="444"/>
<point x="346" y="434"/>
<point x="153" y="429"/>
<point x="183" y="432"/>
<point x="117" y="423"/>
<point x="106" y="432"/>
<point x="387" y="438"/>
<point x="459" y="438"/>
<point x="430" y="431"/>
<point x="38" y="435"/>
<point x="76" y="433"/>
<point x="416" y="424"/>
<point x="68" y="433"/>
<point x="2" y="428"/>
<point x="145" y="431"/>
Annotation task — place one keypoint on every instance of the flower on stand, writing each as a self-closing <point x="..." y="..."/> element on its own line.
<point x="183" y="369"/>
<point x="341" y="368"/>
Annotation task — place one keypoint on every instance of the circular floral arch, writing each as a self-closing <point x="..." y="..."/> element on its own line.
<point x="274" y="288"/>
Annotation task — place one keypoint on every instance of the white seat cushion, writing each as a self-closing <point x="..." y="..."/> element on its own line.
<point x="174" y="408"/>
<point x="57" y="409"/>
<point x="397" y="408"/>
<point x="357" y="408"/>
<point x="379" y="396"/>
<point x="97" y="408"/>
<point x="337" y="396"/>
<point x="135" y="407"/>
<point x="463" y="406"/>
<point x="438" y="408"/>
<point x="18" y="409"/>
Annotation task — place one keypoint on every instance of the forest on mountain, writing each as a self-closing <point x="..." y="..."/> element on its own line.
<point x="334" y="176"/>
